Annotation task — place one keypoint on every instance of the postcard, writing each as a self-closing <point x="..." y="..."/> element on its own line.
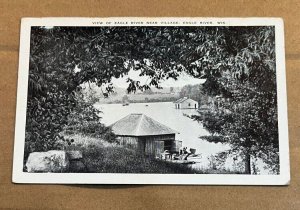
<point x="187" y="101"/>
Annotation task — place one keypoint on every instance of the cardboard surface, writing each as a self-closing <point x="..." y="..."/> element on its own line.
<point x="15" y="196"/>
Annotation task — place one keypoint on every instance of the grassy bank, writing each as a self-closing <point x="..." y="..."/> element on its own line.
<point x="100" y="156"/>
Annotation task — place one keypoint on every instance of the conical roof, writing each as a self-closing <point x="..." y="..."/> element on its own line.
<point x="140" y="125"/>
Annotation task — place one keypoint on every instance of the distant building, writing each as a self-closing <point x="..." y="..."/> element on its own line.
<point x="186" y="103"/>
<point x="146" y="135"/>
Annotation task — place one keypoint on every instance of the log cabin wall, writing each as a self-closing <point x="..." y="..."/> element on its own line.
<point x="154" y="148"/>
<point x="155" y="145"/>
<point x="148" y="145"/>
<point x="133" y="142"/>
<point x="129" y="141"/>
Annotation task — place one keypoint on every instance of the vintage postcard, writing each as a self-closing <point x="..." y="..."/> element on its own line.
<point x="152" y="101"/>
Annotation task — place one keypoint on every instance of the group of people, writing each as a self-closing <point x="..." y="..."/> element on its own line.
<point x="183" y="150"/>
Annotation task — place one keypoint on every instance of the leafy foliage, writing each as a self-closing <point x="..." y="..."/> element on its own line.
<point x="248" y="119"/>
<point x="84" y="119"/>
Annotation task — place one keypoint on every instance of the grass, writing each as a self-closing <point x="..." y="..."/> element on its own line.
<point x="100" y="156"/>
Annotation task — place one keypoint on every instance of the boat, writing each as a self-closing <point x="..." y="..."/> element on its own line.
<point x="192" y="150"/>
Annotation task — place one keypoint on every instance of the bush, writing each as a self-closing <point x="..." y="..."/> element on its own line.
<point x="84" y="119"/>
<point x="93" y="129"/>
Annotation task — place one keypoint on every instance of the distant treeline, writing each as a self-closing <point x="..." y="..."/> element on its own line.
<point x="191" y="91"/>
<point x="150" y="100"/>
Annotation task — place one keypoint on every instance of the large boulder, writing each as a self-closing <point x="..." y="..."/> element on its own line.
<point x="51" y="161"/>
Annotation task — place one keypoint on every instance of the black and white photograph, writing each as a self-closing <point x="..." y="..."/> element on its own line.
<point x="152" y="101"/>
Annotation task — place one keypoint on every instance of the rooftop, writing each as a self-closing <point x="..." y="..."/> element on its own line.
<point x="140" y="125"/>
<point x="183" y="100"/>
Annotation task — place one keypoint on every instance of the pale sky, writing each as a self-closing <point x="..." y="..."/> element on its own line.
<point x="182" y="80"/>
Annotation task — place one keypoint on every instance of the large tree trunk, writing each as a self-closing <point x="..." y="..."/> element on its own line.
<point x="247" y="163"/>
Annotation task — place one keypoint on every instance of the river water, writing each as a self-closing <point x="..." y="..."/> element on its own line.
<point x="165" y="113"/>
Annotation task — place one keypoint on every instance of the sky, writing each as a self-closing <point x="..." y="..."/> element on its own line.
<point x="183" y="80"/>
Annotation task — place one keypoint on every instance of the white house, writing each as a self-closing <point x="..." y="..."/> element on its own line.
<point x="186" y="103"/>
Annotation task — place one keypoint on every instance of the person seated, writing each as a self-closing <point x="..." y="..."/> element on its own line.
<point x="185" y="150"/>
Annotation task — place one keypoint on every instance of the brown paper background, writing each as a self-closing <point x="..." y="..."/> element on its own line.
<point x="19" y="196"/>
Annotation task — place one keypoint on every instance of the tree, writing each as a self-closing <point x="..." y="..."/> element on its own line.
<point x="251" y="126"/>
<point x="237" y="63"/>
<point x="84" y="119"/>
<point x="192" y="91"/>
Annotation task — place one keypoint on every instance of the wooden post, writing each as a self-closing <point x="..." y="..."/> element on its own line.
<point x="247" y="164"/>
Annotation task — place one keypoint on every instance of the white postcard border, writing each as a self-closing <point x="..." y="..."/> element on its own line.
<point x="121" y="178"/>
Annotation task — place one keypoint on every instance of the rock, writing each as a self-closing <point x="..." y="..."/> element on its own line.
<point x="74" y="155"/>
<point x="51" y="161"/>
